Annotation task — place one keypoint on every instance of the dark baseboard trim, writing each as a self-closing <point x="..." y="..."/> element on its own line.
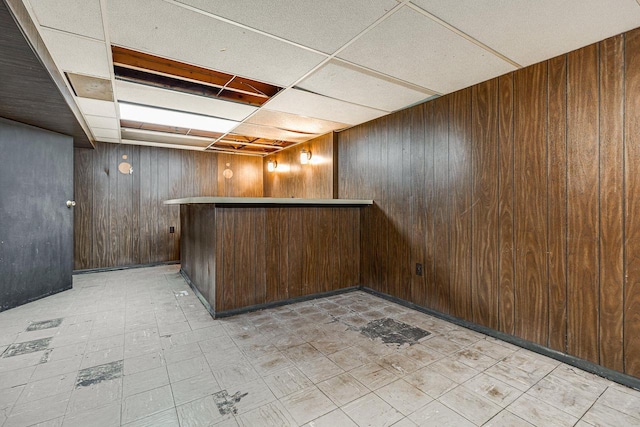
<point x="618" y="377"/>
<point x="123" y="267"/>
<point x="288" y="301"/>
<point x="624" y="379"/>
<point x="197" y="293"/>
<point x="257" y="307"/>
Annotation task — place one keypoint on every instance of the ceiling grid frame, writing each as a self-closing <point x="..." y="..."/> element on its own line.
<point x="465" y="24"/>
<point x="328" y="58"/>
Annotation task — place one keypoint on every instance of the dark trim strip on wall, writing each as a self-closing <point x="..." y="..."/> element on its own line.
<point x="618" y="377"/>
<point x="123" y="267"/>
<point x="258" y="307"/>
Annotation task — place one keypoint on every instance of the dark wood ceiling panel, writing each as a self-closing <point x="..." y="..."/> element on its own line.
<point x="28" y="92"/>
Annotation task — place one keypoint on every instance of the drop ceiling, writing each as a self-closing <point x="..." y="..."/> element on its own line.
<point x="338" y="63"/>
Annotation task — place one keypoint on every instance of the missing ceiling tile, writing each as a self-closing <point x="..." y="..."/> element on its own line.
<point x="91" y="87"/>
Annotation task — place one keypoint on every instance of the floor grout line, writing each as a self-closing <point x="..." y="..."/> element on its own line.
<point x="314" y="331"/>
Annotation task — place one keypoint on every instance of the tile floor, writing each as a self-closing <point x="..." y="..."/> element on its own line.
<point x="136" y="348"/>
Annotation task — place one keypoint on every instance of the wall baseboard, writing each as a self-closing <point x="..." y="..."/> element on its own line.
<point x="257" y="307"/>
<point x="288" y="301"/>
<point x="601" y="371"/>
<point x="123" y="267"/>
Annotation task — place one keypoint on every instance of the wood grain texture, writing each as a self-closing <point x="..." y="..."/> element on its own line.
<point x="378" y="171"/>
<point x="405" y="226"/>
<point x="399" y="282"/>
<point x="83" y="214"/>
<point x="226" y="219"/>
<point x="135" y="210"/>
<point x="272" y="255"/>
<point x="236" y="261"/>
<point x="583" y="285"/>
<point x="113" y="256"/>
<point x="506" y="231"/>
<point x="146" y="221"/>
<point x="632" y="203"/>
<point x="100" y="221"/>
<point x="442" y="224"/>
<point x="120" y="218"/>
<point x="309" y="237"/>
<point x="421" y="233"/>
<point x="244" y="256"/>
<point x="484" y="249"/>
<point x="557" y="207"/>
<point x="531" y="291"/>
<point x="246" y="180"/>
<point x="199" y="237"/>
<point x="554" y="161"/>
<point x="295" y="252"/>
<point x="292" y="179"/>
<point x="282" y="239"/>
<point x="460" y="209"/>
<point x="611" y="201"/>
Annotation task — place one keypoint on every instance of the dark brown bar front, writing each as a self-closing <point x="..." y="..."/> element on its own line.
<point x="250" y="255"/>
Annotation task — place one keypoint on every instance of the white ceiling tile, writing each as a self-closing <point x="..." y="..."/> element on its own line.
<point x="141" y="94"/>
<point x="294" y="122"/>
<point x="77" y="54"/>
<point x="414" y="48"/>
<point x="105" y="133"/>
<point x="248" y="129"/>
<point x="82" y="17"/>
<point x="171" y="31"/>
<point x="343" y="81"/>
<point x="96" y="107"/>
<point x="309" y="104"/>
<point x="102" y="122"/>
<point x="323" y="25"/>
<point x="531" y="31"/>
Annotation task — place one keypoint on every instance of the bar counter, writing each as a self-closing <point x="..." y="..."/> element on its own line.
<point x="241" y="254"/>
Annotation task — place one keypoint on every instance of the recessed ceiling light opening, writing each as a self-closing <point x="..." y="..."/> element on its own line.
<point x="160" y="116"/>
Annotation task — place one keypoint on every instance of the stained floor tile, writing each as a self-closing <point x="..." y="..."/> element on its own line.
<point x="391" y="331"/>
<point x="44" y="324"/>
<point x="100" y="373"/>
<point x="27" y="347"/>
<point x="137" y="348"/>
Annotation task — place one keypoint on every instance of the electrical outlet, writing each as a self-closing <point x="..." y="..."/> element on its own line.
<point x="172" y="229"/>
<point x="418" y="269"/>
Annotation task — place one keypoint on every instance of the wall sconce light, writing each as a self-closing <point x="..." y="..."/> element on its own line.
<point x="227" y="173"/>
<point x="272" y="165"/>
<point x="305" y="156"/>
<point x="125" y="167"/>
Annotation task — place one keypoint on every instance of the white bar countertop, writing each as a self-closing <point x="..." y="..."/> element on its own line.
<point x="266" y="201"/>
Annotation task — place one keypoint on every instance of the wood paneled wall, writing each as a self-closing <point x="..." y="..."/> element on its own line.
<point x="315" y="180"/>
<point x="521" y="198"/>
<point x="120" y="219"/>
<point x="245" y="256"/>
